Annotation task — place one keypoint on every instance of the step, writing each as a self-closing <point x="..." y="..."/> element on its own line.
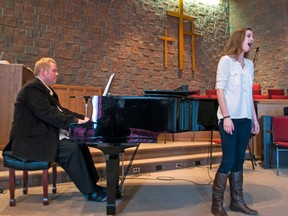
<point x="152" y="150"/>
<point x="149" y="158"/>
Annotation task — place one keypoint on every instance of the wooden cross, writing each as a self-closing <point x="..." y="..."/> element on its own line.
<point x="183" y="17"/>
<point x="193" y="36"/>
<point x="166" y="39"/>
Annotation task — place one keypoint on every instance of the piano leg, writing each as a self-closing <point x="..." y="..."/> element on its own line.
<point x="111" y="152"/>
<point x="112" y="172"/>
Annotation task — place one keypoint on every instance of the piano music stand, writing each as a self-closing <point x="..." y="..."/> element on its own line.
<point x="86" y="105"/>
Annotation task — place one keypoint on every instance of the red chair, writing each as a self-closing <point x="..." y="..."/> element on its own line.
<point x="280" y="136"/>
<point x="210" y="92"/>
<point x="256" y="92"/>
<point x="275" y="91"/>
<point x="256" y="89"/>
<point x="256" y="86"/>
<point x="213" y="96"/>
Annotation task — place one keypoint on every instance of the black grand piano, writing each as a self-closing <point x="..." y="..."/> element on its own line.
<point x="121" y="122"/>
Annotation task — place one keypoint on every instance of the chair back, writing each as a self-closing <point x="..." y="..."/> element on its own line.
<point x="275" y="91"/>
<point x="256" y="86"/>
<point x="211" y="92"/>
<point x="280" y="128"/>
<point x="256" y="92"/>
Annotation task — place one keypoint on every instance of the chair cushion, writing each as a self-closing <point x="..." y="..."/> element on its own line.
<point x="22" y="164"/>
<point x="217" y="141"/>
<point x="282" y="144"/>
<point x="257" y="97"/>
<point x="279" y="96"/>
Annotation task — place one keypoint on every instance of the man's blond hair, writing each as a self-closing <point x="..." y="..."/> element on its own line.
<point x="43" y="63"/>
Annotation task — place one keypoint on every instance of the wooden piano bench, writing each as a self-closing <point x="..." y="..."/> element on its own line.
<point x="14" y="163"/>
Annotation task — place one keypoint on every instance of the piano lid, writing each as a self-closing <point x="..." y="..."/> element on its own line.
<point x="182" y="91"/>
<point x="169" y="93"/>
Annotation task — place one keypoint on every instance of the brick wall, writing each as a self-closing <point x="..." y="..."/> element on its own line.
<point x="269" y="21"/>
<point x="93" y="39"/>
<point x="90" y="40"/>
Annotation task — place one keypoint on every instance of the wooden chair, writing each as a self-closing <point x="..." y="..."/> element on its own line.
<point x="280" y="136"/>
<point x="14" y="163"/>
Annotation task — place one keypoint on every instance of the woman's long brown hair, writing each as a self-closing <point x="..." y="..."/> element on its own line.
<point x="234" y="45"/>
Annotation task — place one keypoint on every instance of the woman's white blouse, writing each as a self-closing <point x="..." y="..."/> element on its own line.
<point x="237" y="85"/>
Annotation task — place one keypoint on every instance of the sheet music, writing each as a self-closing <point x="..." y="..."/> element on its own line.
<point x="95" y="104"/>
<point x="106" y="91"/>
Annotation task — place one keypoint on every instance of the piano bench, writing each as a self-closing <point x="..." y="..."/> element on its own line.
<point x="15" y="163"/>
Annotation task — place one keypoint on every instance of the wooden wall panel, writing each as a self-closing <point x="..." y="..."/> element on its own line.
<point x="72" y="97"/>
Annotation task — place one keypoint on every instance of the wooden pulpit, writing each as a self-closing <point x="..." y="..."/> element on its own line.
<point x="12" y="78"/>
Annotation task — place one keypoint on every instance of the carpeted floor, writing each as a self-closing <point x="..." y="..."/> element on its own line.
<point x="181" y="192"/>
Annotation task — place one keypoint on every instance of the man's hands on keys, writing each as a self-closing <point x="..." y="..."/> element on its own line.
<point x="82" y="121"/>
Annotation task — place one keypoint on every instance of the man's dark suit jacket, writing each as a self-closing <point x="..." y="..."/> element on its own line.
<point x="35" y="130"/>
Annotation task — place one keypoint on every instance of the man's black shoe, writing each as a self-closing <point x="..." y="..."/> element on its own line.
<point x="96" y="196"/>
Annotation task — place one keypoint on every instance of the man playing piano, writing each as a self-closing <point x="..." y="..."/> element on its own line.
<point x="38" y="118"/>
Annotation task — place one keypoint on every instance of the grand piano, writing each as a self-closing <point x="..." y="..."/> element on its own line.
<point x="121" y="122"/>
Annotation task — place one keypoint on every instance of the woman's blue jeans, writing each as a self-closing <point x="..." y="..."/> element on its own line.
<point x="234" y="146"/>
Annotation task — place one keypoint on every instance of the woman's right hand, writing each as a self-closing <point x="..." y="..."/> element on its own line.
<point x="228" y="125"/>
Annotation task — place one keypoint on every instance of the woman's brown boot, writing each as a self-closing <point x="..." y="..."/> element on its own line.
<point x="219" y="186"/>
<point x="236" y="191"/>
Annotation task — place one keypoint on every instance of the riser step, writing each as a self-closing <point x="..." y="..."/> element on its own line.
<point x="153" y="150"/>
<point x="142" y="166"/>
